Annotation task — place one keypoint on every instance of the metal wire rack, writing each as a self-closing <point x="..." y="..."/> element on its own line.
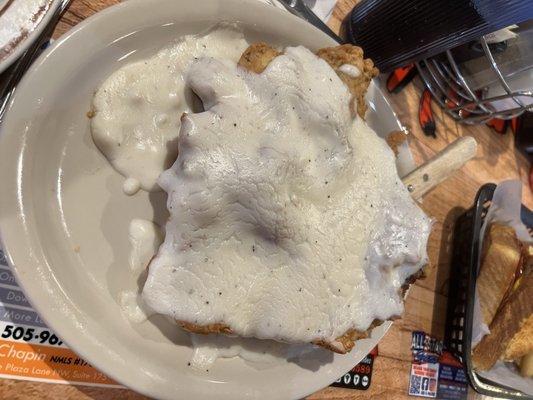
<point x="444" y="77"/>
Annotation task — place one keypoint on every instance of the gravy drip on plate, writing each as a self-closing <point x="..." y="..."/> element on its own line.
<point x="208" y="348"/>
<point x="288" y="220"/>
<point x="137" y="109"/>
<point x="145" y="237"/>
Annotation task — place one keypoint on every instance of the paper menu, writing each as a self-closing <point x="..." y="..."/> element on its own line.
<point x="29" y="350"/>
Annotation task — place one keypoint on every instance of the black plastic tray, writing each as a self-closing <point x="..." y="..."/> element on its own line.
<point x="463" y="275"/>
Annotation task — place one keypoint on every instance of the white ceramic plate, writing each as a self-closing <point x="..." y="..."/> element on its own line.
<point x="64" y="219"/>
<point x="21" y="22"/>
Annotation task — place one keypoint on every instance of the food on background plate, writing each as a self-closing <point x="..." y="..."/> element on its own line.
<point x="505" y="291"/>
<point x="288" y="220"/>
<point x="18" y="21"/>
<point x="526" y="365"/>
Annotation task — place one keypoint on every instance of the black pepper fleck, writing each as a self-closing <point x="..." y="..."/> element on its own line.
<point x="220" y="293"/>
<point x="253" y="248"/>
<point x="234" y="124"/>
<point x="189" y="364"/>
<point x="206" y="302"/>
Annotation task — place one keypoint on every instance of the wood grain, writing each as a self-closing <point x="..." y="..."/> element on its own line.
<point x="425" y="307"/>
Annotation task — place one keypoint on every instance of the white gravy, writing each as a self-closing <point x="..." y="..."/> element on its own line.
<point x="288" y="220"/>
<point x="145" y="237"/>
<point x="350" y="70"/>
<point x="138" y="108"/>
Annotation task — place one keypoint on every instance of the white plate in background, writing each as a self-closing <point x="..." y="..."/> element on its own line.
<point x="21" y="22"/>
<point x="64" y="218"/>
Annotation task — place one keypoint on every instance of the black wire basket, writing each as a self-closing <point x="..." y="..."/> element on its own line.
<point x="463" y="275"/>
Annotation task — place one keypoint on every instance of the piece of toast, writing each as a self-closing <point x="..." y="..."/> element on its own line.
<point x="500" y="261"/>
<point x="526" y="365"/>
<point x="258" y="55"/>
<point x="255" y="59"/>
<point x="511" y="336"/>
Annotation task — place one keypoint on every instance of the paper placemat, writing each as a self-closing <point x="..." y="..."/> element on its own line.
<point x="29" y="350"/>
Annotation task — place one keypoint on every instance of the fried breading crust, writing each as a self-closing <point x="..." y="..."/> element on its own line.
<point x="395" y="140"/>
<point x="258" y="55"/>
<point x="352" y="55"/>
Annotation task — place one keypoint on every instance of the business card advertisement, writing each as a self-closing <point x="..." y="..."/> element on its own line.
<point x="29" y="350"/>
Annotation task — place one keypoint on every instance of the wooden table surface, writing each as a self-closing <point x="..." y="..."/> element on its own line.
<point x="425" y="307"/>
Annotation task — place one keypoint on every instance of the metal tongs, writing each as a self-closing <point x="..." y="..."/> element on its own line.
<point x="300" y="9"/>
